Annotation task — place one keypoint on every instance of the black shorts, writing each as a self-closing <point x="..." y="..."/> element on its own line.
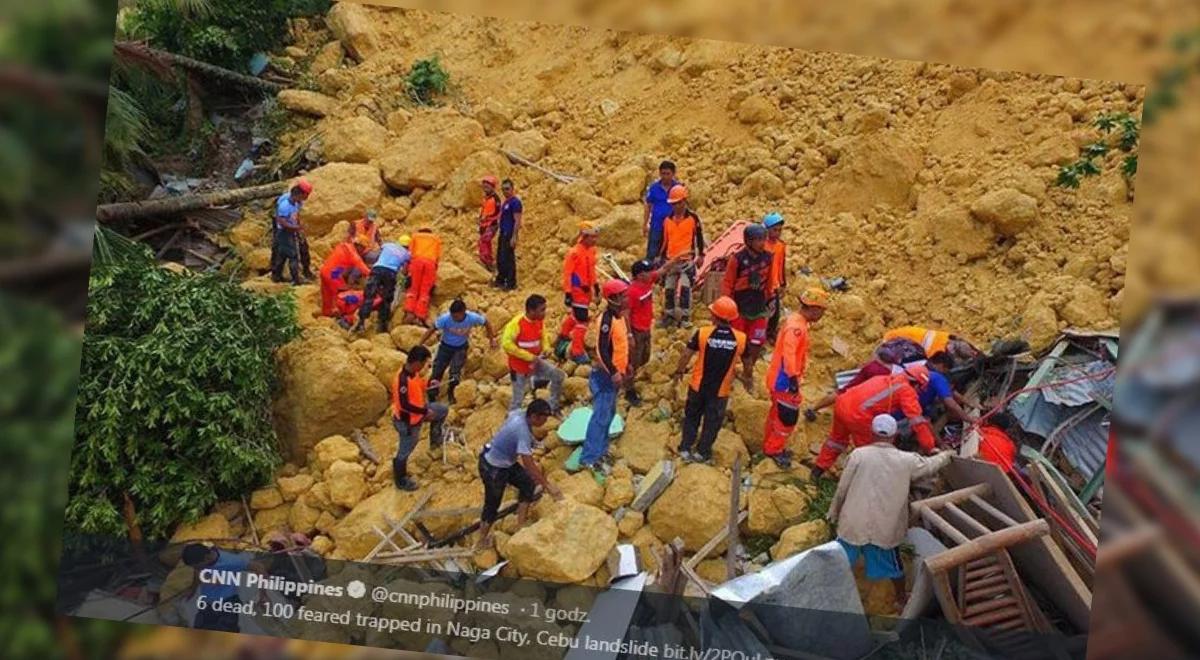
<point x="496" y="479"/>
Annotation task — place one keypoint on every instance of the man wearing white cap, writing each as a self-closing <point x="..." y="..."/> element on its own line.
<point x="870" y="507"/>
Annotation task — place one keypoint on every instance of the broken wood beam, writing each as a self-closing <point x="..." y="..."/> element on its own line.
<point x="735" y="493"/>
<point x="138" y="50"/>
<point x="721" y="535"/>
<point x="521" y="160"/>
<point x="364" y="447"/>
<point x="992" y="511"/>
<point x="985" y="545"/>
<point x="399" y="525"/>
<point x="953" y="497"/>
<point x="942" y="525"/>
<point x="470" y="529"/>
<point x="419" y="556"/>
<point x="181" y="203"/>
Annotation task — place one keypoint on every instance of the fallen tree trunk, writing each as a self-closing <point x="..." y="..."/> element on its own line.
<point x="182" y="203"/>
<point x="140" y="50"/>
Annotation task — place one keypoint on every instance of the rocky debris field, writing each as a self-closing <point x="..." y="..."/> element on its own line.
<point x="928" y="187"/>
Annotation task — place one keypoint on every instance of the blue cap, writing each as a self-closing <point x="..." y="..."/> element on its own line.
<point x="772" y="219"/>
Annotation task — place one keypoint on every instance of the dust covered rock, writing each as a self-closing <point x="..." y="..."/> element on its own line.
<point x="265" y="498"/>
<point x="354" y="534"/>
<point x="307" y="102"/>
<point x="756" y="109"/>
<point x="429" y="149"/>
<point x="773" y="509"/>
<point x="212" y="526"/>
<point x="621" y="228"/>
<point x="694" y="507"/>
<point x="354" y="140"/>
<point x="293" y="487"/>
<point x="643" y="444"/>
<point x="625" y="185"/>
<point x="341" y="192"/>
<point x="1007" y="210"/>
<point x="329" y="56"/>
<point x="347" y="483"/>
<point x="353" y="25"/>
<point x="331" y="450"/>
<point x="463" y="189"/>
<point x="530" y="144"/>
<point x="798" y="538"/>
<point x="568" y="545"/>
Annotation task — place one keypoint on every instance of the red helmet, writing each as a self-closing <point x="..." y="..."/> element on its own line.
<point x="491" y="180"/>
<point x="919" y="373"/>
<point x="614" y="288"/>
<point x="304" y="186"/>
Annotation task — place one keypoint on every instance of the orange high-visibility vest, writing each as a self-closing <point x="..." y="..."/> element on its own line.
<point x="705" y="334"/>
<point x="415" y="397"/>
<point x="529" y="337"/>
<point x="426" y="246"/>
<point x="778" y="250"/>
<point x="933" y="341"/>
<point x="679" y="234"/>
<point x="619" y="335"/>
<point x="879" y="396"/>
<point x="579" y="269"/>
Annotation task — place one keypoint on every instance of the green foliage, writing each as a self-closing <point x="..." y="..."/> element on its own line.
<point x="818" y="506"/>
<point x="222" y="32"/>
<point x="175" y="388"/>
<point x="38" y="360"/>
<point x="126" y="131"/>
<point x="1120" y="131"/>
<point x="426" y="79"/>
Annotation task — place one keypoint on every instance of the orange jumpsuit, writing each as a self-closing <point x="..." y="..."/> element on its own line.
<point x="341" y="259"/>
<point x="578" y="282"/>
<point x="784" y="376"/>
<point x="348" y="302"/>
<point x="365" y="235"/>
<point x="855" y="408"/>
<point x="426" y="250"/>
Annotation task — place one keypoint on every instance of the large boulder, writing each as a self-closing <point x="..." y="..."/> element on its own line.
<point x="355" y="140"/>
<point x="727" y="448"/>
<point x="763" y="183"/>
<point x="621" y="228"/>
<point x="355" y="534"/>
<point x="429" y="149"/>
<point x="307" y="102"/>
<point x="325" y="390"/>
<point x="584" y="201"/>
<point x="495" y="116"/>
<point x="625" y="185"/>
<point x="353" y="25"/>
<point x="959" y="235"/>
<point x="694" y="507"/>
<point x="328" y="56"/>
<point x="581" y="487"/>
<point x="530" y="144"/>
<point x="749" y="417"/>
<point x="463" y="190"/>
<point x="293" y="487"/>
<point x="643" y="444"/>
<point x="483" y="423"/>
<point x="1087" y="308"/>
<point x="331" y="450"/>
<point x="347" y="483"/>
<point x="798" y="538"/>
<point x="756" y="109"/>
<point x="1040" y="322"/>
<point x="341" y="191"/>
<point x="1007" y="210"/>
<point x="773" y="509"/>
<point x="212" y="526"/>
<point x="568" y="545"/>
<point x="880" y="168"/>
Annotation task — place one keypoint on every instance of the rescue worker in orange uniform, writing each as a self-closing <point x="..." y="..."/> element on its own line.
<point x="748" y="282"/>
<point x="426" y="250"/>
<point x="348" y="303"/>
<point x="364" y="233"/>
<point x="682" y="240"/>
<point x="934" y="341"/>
<point x="609" y="370"/>
<point x="525" y="341"/>
<point x="343" y="260"/>
<point x="857" y="407"/>
<point x="778" y="249"/>
<point x="786" y="374"/>
<point x="720" y="347"/>
<point x="579" y="286"/>
<point x="489" y="220"/>
<point x="410" y="411"/>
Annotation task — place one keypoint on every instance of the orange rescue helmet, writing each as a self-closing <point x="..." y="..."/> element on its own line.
<point x="588" y="228"/>
<point x="614" y="288"/>
<point x="724" y="308"/>
<point x="677" y="193"/>
<point x="305" y="186"/>
<point x="814" y="297"/>
<point x="919" y="373"/>
<point x="491" y="180"/>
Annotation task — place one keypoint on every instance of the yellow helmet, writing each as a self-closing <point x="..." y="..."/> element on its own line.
<point x="404" y="240"/>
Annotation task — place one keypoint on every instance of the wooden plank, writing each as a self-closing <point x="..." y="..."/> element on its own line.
<point x="1065" y="500"/>
<point x="985" y="545"/>
<point x="942" y="525"/>
<point x="721" y="535"/>
<point x="421" y="502"/>
<point x="699" y="581"/>
<point x="1040" y="561"/>
<point x="992" y="511"/>
<point x="953" y="497"/>
<point x="735" y="493"/>
<point x="961" y="515"/>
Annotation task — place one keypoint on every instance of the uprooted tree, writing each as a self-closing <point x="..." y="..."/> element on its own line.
<point x="175" y="388"/>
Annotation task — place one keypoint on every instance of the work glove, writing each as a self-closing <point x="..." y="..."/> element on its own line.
<point x="810" y="415"/>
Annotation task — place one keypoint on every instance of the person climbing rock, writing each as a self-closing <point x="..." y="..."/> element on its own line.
<point x="507" y="460"/>
<point x="854" y="410"/>
<point x="657" y="208"/>
<point x="720" y="347"/>
<point x="489" y="220"/>
<point x="579" y="287"/>
<point x="410" y="410"/>
<point x="287" y="233"/>
<point x="381" y="285"/>
<point x="683" y="240"/>
<point x="525" y="341"/>
<point x="748" y="282"/>
<point x="870" y="506"/>
<point x="511" y="212"/>
<point x="610" y="367"/>
<point x="342" y="262"/>
<point x="426" y="251"/>
<point x="641" y="319"/>
<point x="778" y="249"/>
<point x="785" y="375"/>
<point x="455" y="328"/>
<point x="364" y="233"/>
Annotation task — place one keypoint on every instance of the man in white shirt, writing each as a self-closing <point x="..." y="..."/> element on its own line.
<point x="870" y="507"/>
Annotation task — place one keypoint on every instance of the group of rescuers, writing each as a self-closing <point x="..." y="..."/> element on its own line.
<point x="906" y="381"/>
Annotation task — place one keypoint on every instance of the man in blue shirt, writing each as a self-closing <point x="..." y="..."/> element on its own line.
<point x="455" y="326"/>
<point x="508" y="460"/>
<point x="201" y="557"/>
<point x="511" y="212"/>
<point x="658" y="208"/>
<point x="393" y="257"/>
<point x="288" y="244"/>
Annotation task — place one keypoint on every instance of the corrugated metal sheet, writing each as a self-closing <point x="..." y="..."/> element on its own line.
<point x="1075" y="391"/>
<point x="1085" y="444"/>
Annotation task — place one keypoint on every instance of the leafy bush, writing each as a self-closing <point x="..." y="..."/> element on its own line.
<point x="427" y="78"/>
<point x="222" y="32"/>
<point x="175" y="390"/>
<point x="1121" y="132"/>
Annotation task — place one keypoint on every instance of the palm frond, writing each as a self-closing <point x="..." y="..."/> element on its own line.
<point x="127" y="128"/>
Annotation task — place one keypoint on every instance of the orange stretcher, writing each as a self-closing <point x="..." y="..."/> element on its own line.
<point x="716" y="254"/>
